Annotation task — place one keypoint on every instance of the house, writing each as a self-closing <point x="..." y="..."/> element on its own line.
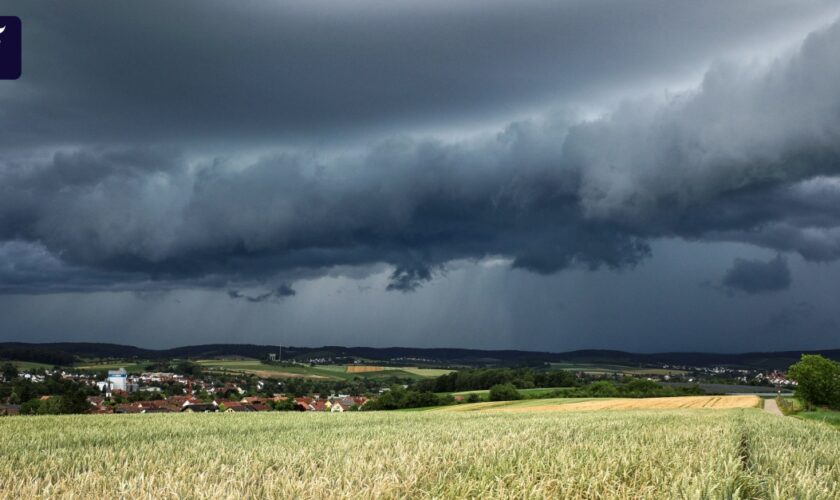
<point x="157" y="406"/>
<point x="199" y="408"/>
<point x="9" y="410"/>
<point x="128" y="408"/>
<point x="95" y="400"/>
<point x="303" y="403"/>
<point x="182" y="400"/>
<point x="233" y="406"/>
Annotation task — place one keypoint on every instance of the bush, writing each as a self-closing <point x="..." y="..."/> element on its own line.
<point x="504" y="392"/>
<point x="818" y="380"/>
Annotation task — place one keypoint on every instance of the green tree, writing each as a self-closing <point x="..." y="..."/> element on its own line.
<point x="73" y="402"/>
<point x="504" y="392"/>
<point x="30" y="407"/>
<point x="818" y="380"/>
<point x="10" y="372"/>
<point x="284" y="405"/>
<point x="602" y="389"/>
<point x="50" y="406"/>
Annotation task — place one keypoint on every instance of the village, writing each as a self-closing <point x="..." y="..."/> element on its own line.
<point x="186" y="388"/>
<point x="119" y="392"/>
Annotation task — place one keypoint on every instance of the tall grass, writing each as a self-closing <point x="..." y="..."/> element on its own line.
<point x="633" y="454"/>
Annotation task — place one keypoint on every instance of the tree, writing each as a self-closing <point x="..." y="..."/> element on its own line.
<point x="73" y="402"/>
<point x="30" y="407"/>
<point x="818" y="380"/>
<point x="504" y="392"/>
<point x="10" y="372"/>
<point x="602" y="389"/>
<point x="284" y="405"/>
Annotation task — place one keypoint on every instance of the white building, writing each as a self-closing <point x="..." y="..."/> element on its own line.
<point x="118" y="379"/>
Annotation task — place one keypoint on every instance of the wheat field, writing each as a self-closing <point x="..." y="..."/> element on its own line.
<point x="365" y="368"/>
<point x="616" y="454"/>
<point x="600" y="404"/>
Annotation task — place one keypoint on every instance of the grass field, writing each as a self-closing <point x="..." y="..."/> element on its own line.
<point x="596" y="369"/>
<point x="30" y="365"/>
<point x="335" y="372"/>
<point x="270" y="370"/>
<point x="130" y="366"/>
<point x="536" y="392"/>
<point x="618" y="454"/>
<point x="825" y="416"/>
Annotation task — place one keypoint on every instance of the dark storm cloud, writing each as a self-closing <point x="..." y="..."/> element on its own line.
<point x="757" y="276"/>
<point x="749" y="156"/>
<point x="280" y="292"/>
<point x="198" y="70"/>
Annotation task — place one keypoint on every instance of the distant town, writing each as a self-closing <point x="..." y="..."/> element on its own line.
<point x="325" y="382"/>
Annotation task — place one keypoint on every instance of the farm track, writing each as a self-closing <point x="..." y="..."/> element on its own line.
<point x="771" y="407"/>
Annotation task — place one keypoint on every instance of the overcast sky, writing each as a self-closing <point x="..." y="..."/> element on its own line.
<point x="549" y="175"/>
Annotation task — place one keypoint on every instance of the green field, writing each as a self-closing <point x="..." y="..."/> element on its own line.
<point x="594" y="368"/>
<point x="633" y="454"/>
<point x="532" y="393"/>
<point x="132" y="366"/>
<point x="280" y="371"/>
<point x="334" y="372"/>
<point x="826" y="416"/>
<point x="30" y="365"/>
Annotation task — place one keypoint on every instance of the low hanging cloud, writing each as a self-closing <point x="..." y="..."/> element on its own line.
<point x="280" y="292"/>
<point x="757" y="276"/>
<point x="752" y="155"/>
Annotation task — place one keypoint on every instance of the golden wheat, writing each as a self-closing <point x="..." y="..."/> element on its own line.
<point x="629" y="454"/>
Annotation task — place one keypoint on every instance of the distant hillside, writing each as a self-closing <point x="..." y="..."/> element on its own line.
<point x="66" y="352"/>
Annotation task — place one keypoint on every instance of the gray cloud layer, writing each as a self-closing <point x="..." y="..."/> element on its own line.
<point x="749" y="156"/>
<point x="757" y="276"/>
<point x="198" y="70"/>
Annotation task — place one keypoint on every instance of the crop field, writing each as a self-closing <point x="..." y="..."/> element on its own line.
<point x="422" y="372"/>
<point x="269" y="370"/>
<point x="620" y="454"/>
<point x="533" y="392"/>
<point x="130" y="366"/>
<point x="593" y="404"/>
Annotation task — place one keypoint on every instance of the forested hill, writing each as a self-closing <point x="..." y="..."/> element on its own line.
<point x="65" y="353"/>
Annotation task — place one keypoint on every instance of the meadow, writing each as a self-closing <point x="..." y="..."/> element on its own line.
<point x="333" y="372"/>
<point x="742" y="453"/>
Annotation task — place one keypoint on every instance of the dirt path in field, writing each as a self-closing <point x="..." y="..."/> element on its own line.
<point x="772" y="408"/>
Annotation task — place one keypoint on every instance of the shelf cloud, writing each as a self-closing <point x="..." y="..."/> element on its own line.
<point x="243" y="151"/>
<point x="750" y="155"/>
